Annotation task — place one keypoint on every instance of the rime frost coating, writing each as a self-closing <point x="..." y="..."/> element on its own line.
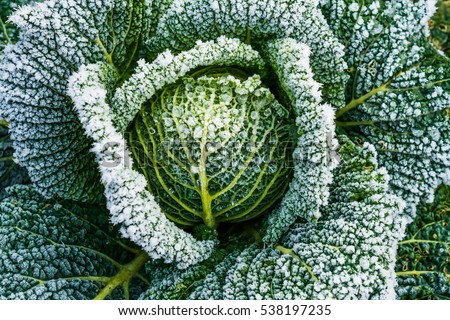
<point x="52" y="251"/>
<point x="255" y="22"/>
<point x="56" y="38"/>
<point x="348" y="254"/>
<point x="214" y="148"/>
<point x="130" y="204"/>
<point x="400" y="88"/>
<point x="167" y="68"/>
<point x="9" y="32"/>
<point x="314" y="156"/>
<point x="389" y="89"/>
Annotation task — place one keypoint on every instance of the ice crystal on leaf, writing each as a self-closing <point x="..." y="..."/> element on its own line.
<point x="348" y="254"/>
<point x="50" y="250"/>
<point x="224" y="156"/>
<point x="130" y="204"/>
<point x="398" y="92"/>
<point x="423" y="255"/>
<point x="57" y="38"/>
<point x="83" y="73"/>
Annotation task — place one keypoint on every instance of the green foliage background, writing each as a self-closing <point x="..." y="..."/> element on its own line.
<point x="440" y="26"/>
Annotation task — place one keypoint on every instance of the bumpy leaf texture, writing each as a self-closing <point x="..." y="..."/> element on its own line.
<point x="371" y="62"/>
<point x="257" y="23"/>
<point x="128" y="200"/>
<point x="57" y="37"/>
<point x="105" y="111"/>
<point x="348" y="254"/>
<point x="398" y="93"/>
<point x="424" y="254"/>
<point x="50" y="250"/>
<point x="10" y="172"/>
<point x="60" y="36"/>
<point x="241" y="184"/>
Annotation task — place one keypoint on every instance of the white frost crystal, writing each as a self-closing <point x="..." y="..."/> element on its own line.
<point x="131" y="205"/>
<point x="314" y="155"/>
<point x="220" y="157"/>
<point x="57" y="38"/>
<point x="342" y="256"/>
<point x="81" y="70"/>
<point x="400" y="93"/>
<point x="150" y="77"/>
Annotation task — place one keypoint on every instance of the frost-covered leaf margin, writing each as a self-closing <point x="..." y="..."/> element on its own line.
<point x="348" y="254"/>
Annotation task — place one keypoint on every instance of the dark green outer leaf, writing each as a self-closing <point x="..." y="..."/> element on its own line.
<point x="57" y="37"/>
<point x="347" y="254"/>
<point x="398" y="93"/>
<point x="256" y="22"/>
<point x="54" y="251"/>
<point x="10" y="172"/>
<point x="423" y="257"/>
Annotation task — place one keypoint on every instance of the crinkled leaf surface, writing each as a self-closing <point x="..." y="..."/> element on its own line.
<point x="170" y="283"/>
<point x="57" y="37"/>
<point x="63" y="251"/>
<point x="394" y="96"/>
<point x="255" y="23"/>
<point x="314" y="154"/>
<point x="424" y="254"/>
<point x="10" y="172"/>
<point x="348" y="254"/>
<point x="398" y="93"/>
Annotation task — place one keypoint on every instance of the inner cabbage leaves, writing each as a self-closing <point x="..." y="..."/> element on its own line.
<point x="214" y="148"/>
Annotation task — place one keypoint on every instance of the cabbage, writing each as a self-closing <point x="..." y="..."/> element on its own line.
<point x="213" y="148"/>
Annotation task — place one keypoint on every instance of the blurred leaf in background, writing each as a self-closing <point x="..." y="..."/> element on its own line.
<point x="440" y="27"/>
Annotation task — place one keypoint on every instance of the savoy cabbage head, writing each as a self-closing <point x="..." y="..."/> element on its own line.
<point x="241" y="149"/>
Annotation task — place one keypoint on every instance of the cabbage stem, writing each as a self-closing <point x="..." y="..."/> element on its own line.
<point x="124" y="275"/>
<point x="291" y="252"/>
<point x="356" y="102"/>
<point x="413" y="273"/>
<point x="5" y="32"/>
